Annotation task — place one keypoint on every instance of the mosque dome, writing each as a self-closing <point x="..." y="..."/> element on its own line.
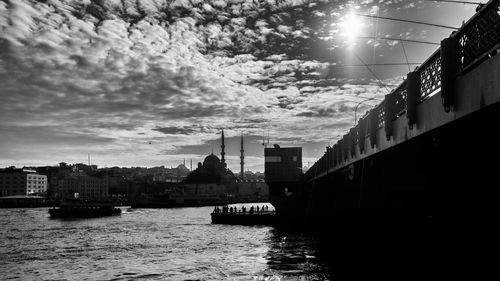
<point x="211" y="160"/>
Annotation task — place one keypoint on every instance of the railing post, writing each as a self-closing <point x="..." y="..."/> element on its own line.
<point x="449" y="69"/>
<point x="332" y="159"/>
<point x="373" y="117"/>
<point x="345" y="147"/>
<point x="390" y="103"/>
<point x="341" y="151"/>
<point x="352" y="138"/>
<point x="335" y="152"/>
<point x="413" y="96"/>
<point x="361" y="134"/>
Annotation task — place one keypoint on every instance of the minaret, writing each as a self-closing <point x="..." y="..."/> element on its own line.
<point x="222" y="153"/>
<point x="242" y="157"/>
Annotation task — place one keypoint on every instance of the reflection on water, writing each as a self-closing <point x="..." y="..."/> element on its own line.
<point x="293" y="254"/>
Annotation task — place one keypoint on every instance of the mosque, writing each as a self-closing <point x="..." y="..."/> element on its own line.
<point x="213" y="177"/>
<point x="214" y="170"/>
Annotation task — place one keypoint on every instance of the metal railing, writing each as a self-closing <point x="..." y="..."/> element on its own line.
<point x="478" y="39"/>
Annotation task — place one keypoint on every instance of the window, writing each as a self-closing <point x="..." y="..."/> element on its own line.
<point x="273" y="158"/>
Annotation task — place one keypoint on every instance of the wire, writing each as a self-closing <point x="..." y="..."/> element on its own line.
<point x="373" y="73"/>
<point x="398" y="39"/>
<point x="409" y="21"/>
<point x="377" y="64"/>
<point x="457" y="2"/>
<point x="406" y="57"/>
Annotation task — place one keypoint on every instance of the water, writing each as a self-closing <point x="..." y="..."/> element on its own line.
<point x="152" y="244"/>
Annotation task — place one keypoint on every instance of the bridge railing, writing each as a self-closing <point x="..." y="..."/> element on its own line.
<point x="480" y="35"/>
<point x="430" y="75"/>
<point x="474" y="42"/>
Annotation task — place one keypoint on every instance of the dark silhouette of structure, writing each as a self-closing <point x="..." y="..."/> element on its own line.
<point x="242" y="162"/>
<point x="223" y="153"/>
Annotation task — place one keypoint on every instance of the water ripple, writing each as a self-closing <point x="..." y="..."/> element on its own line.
<point x="147" y="244"/>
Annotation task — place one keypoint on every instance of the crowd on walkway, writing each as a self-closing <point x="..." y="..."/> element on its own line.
<point x="243" y="210"/>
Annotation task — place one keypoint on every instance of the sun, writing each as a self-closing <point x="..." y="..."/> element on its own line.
<point x="351" y="25"/>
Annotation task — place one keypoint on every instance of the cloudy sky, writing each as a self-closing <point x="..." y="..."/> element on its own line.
<point x="152" y="82"/>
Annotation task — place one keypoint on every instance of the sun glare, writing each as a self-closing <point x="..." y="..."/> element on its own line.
<point x="351" y="26"/>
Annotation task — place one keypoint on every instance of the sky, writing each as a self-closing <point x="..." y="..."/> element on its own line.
<point x="151" y="82"/>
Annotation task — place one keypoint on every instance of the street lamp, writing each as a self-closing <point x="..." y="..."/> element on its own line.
<point x="357" y="106"/>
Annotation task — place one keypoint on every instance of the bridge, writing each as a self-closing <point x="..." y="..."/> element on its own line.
<point x="431" y="145"/>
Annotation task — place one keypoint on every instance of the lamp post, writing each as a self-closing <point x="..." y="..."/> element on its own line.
<point x="357" y="106"/>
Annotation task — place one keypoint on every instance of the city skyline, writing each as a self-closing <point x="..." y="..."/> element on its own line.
<point x="151" y="83"/>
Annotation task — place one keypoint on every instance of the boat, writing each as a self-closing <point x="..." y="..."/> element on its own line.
<point x="77" y="208"/>
<point x="244" y="218"/>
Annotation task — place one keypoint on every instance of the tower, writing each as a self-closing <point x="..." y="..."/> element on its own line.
<point x="242" y="162"/>
<point x="222" y="153"/>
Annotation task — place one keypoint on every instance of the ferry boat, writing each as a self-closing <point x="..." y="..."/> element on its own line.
<point x="223" y="216"/>
<point x="77" y="208"/>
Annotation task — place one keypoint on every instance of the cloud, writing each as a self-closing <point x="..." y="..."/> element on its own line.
<point x="184" y="130"/>
<point x="115" y="76"/>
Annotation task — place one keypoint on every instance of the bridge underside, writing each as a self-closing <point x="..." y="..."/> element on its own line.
<point x="450" y="170"/>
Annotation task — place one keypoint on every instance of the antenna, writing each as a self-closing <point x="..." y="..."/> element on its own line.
<point x="89" y="158"/>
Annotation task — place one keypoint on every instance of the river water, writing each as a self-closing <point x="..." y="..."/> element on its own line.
<point x="152" y="244"/>
<point x="182" y="244"/>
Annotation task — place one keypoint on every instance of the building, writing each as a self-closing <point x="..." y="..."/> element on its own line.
<point x="22" y="182"/>
<point x="253" y="190"/>
<point x="81" y="185"/>
<point x="212" y="170"/>
<point x="284" y="176"/>
<point x="283" y="164"/>
<point x="212" y="175"/>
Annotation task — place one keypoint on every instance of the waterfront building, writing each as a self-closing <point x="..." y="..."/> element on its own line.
<point x="253" y="190"/>
<point x="22" y="182"/>
<point x="283" y="164"/>
<point x="82" y="186"/>
<point x="283" y="172"/>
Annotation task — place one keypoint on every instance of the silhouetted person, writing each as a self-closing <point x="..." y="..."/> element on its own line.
<point x="257" y="209"/>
